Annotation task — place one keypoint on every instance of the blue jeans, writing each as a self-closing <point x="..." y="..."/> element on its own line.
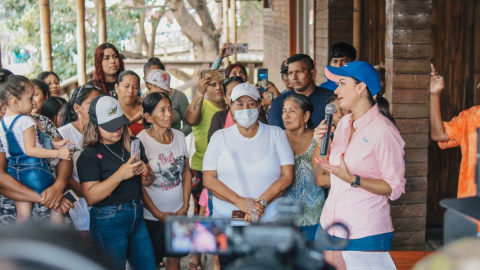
<point x="30" y="171"/>
<point x="120" y="233"/>
<point x="378" y="242"/>
<point x="309" y="231"/>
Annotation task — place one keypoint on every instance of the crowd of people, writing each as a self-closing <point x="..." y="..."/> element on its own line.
<point x="251" y="148"/>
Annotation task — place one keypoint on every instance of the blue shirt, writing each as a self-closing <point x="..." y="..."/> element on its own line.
<point x="318" y="98"/>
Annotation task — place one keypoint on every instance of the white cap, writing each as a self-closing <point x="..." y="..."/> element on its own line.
<point x="106" y="112"/>
<point x="245" y="89"/>
<point x="159" y="78"/>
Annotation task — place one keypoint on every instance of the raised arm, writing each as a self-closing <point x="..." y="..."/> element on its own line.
<point x="437" y="130"/>
<point x="222" y="53"/>
<point x="193" y="116"/>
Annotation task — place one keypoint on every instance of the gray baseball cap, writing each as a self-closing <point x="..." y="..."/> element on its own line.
<point x="106" y="112"/>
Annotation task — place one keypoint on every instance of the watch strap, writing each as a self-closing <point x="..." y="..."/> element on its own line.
<point x="356" y="183"/>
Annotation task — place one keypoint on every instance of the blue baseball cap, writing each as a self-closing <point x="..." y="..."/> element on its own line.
<point x="330" y="85"/>
<point x="359" y="70"/>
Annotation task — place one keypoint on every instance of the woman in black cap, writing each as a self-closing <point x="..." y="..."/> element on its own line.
<point x="112" y="183"/>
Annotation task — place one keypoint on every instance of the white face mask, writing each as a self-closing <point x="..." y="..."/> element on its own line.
<point x="246" y="118"/>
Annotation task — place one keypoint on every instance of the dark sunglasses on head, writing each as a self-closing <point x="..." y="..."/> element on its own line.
<point x="228" y="80"/>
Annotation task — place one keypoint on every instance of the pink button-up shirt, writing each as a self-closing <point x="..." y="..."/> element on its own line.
<point x="376" y="152"/>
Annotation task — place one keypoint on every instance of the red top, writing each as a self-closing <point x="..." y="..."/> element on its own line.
<point x="136" y="128"/>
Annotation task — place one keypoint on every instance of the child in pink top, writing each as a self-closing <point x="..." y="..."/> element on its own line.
<point x="203" y="202"/>
<point x="204" y="211"/>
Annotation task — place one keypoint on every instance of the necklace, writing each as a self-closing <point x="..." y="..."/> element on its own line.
<point x="291" y="144"/>
<point x="114" y="152"/>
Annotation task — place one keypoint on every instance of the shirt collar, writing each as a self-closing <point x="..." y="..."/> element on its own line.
<point x="366" y="118"/>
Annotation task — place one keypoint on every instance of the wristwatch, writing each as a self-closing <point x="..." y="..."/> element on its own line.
<point x="263" y="202"/>
<point x="356" y="183"/>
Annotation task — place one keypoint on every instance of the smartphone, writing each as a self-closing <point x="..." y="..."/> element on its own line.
<point x="185" y="235"/>
<point x="244" y="47"/>
<point x="228" y="48"/>
<point x="236" y="48"/>
<point x="216" y="74"/>
<point x="135" y="149"/>
<point x="71" y="196"/>
<point x="70" y="146"/>
<point x="262" y="79"/>
<point x="238" y="215"/>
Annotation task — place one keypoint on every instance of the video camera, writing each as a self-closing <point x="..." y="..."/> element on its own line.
<point x="277" y="245"/>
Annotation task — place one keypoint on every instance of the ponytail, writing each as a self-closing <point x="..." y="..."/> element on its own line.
<point x="78" y="97"/>
<point x="382" y="103"/>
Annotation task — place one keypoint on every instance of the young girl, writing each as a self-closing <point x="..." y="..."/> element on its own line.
<point x="205" y="210"/>
<point x="26" y="156"/>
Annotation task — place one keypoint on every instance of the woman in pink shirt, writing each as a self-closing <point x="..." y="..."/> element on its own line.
<point x="366" y="162"/>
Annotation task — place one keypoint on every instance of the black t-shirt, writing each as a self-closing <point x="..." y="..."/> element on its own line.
<point x="97" y="163"/>
<point x="110" y="87"/>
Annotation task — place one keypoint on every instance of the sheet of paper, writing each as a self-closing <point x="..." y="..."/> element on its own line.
<point x="359" y="260"/>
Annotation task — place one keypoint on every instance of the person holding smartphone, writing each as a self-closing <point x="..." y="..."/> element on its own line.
<point x="112" y="184"/>
<point x="167" y="150"/>
<point x="75" y="118"/>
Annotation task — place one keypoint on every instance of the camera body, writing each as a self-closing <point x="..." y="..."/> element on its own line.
<point x="276" y="245"/>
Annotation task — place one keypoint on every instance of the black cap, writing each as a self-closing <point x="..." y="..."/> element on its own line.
<point x="284" y="67"/>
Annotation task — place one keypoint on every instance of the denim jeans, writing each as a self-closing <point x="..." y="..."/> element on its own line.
<point x="378" y="242"/>
<point x="309" y="231"/>
<point x="120" y="233"/>
<point x="30" y="171"/>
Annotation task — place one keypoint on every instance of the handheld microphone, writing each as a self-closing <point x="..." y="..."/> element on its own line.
<point x="329" y="111"/>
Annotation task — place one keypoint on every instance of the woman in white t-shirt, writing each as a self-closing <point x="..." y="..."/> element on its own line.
<point x="247" y="165"/>
<point x="75" y="118"/>
<point x="167" y="153"/>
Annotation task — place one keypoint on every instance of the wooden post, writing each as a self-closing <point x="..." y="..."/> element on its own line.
<point x="292" y="11"/>
<point x="0" y="53"/>
<point x="225" y="27"/>
<point x="357" y="23"/>
<point x="233" y="8"/>
<point x="81" y="46"/>
<point x="333" y="24"/>
<point x="102" y="22"/>
<point x="407" y="83"/>
<point x="45" y="34"/>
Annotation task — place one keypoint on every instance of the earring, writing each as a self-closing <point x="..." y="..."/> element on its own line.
<point x="359" y="95"/>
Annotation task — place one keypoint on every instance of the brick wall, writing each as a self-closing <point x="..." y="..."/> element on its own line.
<point x="333" y="23"/>
<point x="407" y="51"/>
<point x="276" y="39"/>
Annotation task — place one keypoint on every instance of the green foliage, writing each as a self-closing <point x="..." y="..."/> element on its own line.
<point x="20" y="25"/>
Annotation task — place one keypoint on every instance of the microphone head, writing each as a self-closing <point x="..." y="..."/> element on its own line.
<point x="330" y="109"/>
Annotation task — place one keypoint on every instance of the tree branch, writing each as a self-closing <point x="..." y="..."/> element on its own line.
<point x="201" y="8"/>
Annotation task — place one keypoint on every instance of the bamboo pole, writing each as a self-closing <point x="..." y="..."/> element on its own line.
<point x="233" y="8"/>
<point x="102" y="22"/>
<point x="357" y="20"/>
<point x="225" y="27"/>
<point x="81" y="47"/>
<point x="45" y="33"/>
<point x="0" y="53"/>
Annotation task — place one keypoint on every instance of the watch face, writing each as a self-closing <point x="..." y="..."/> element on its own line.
<point x="263" y="202"/>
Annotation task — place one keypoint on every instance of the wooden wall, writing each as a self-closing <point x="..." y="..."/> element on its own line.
<point x="372" y="47"/>
<point x="455" y="26"/>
